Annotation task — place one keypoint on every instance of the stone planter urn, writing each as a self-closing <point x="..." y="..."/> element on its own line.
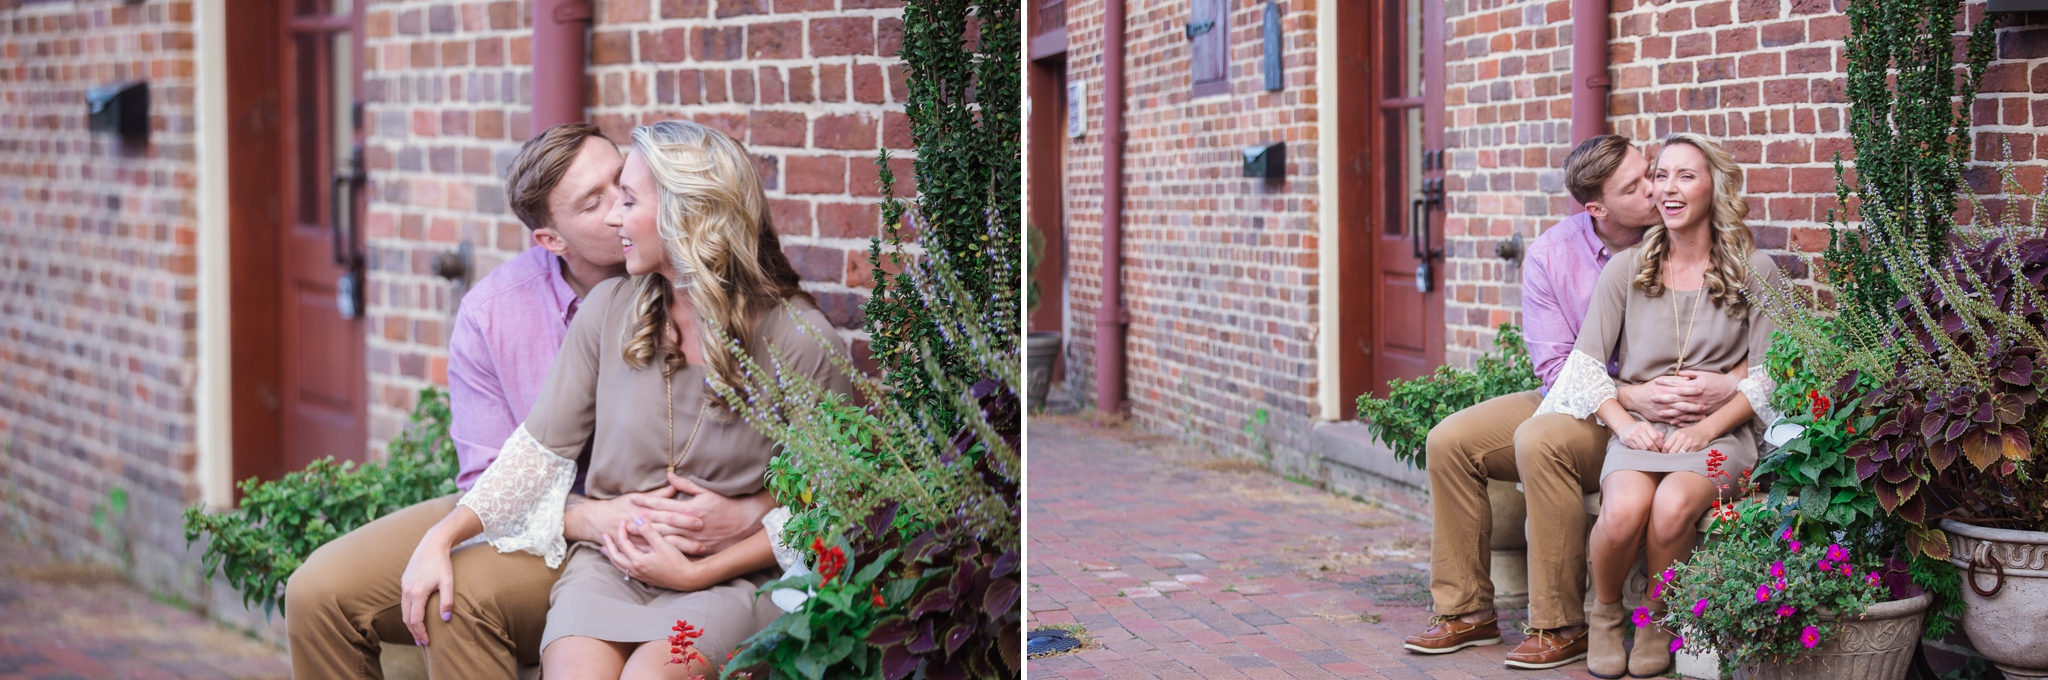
<point x="2005" y="595"/>
<point x="1041" y="349"/>
<point x="1877" y="645"/>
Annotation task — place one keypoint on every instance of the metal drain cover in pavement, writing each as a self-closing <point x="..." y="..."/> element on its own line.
<point x="1049" y="641"/>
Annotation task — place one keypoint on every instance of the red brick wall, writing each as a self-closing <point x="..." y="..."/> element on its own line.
<point x="1765" y="78"/>
<point x="98" y="311"/>
<point x="1220" y="270"/>
<point x="813" y="87"/>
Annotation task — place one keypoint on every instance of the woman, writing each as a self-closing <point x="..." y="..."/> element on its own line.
<point x="636" y="378"/>
<point x="1680" y="300"/>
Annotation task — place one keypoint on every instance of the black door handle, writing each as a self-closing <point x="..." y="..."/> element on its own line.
<point x="349" y="178"/>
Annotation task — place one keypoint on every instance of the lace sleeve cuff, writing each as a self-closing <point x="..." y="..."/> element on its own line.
<point x="520" y="498"/>
<point x="1757" y="387"/>
<point x="1580" y="388"/>
<point x="785" y="557"/>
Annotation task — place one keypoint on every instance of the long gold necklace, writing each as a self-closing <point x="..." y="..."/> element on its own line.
<point x="668" y="382"/>
<point x="1686" y="337"/>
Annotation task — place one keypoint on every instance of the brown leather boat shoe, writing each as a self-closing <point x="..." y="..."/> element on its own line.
<point x="1447" y="634"/>
<point x="1549" y="649"/>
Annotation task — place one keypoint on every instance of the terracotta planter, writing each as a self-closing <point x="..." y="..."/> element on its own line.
<point x="2005" y="595"/>
<point x="1876" y="646"/>
<point x="1041" y="349"/>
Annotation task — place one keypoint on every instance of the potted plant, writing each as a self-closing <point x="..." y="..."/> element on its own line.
<point x="1774" y="606"/>
<point x="1955" y="451"/>
<point x="1041" y="348"/>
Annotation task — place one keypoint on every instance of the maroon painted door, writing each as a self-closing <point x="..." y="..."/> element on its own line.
<point x="1409" y="333"/>
<point x="1390" y="307"/>
<point x="325" y="409"/>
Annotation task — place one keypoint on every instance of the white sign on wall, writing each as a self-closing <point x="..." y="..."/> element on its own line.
<point x="1077" y="109"/>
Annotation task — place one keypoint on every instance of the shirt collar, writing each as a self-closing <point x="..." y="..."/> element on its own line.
<point x="565" y="302"/>
<point x="1594" y="245"/>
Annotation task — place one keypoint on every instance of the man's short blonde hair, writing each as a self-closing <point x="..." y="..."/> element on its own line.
<point x="1586" y="171"/>
<point x="539" y="167"/>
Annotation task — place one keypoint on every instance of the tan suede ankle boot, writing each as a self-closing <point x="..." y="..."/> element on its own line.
<point x="1605" y="655"/>
<point x="1651" y="657"/>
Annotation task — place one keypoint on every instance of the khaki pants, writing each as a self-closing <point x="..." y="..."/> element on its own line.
<point x="1557" y="460"/>
<point x="342" y="605"/>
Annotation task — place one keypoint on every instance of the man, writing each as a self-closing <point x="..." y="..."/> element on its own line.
<point x="1555" y="457"/>
<point x="344" y="602"/>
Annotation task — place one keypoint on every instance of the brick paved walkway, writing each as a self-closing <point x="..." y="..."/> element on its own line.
<point x="1182" y="565"/>
<point x="62" y="620"/>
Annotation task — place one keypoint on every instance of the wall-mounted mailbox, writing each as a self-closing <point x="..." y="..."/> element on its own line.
<point x="1266" y="161"/>
<point x="122" y="109"/>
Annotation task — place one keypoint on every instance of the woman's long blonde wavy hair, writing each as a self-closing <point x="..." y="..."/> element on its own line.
<point x="1728" y="263"/>
<point x="715" y="230"/>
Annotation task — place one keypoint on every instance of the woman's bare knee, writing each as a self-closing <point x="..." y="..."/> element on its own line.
<point x="576" y="657"/>
<point x="652" y="661"/>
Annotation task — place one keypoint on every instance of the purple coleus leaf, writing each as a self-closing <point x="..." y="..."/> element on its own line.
<point x="2018" y="372"/>
<point x="898" y="663"/>
<point x="958" y="635"/>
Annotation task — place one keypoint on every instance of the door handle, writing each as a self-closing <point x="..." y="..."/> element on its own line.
<point x="348" y="289"/>
<point x="1418" y="234"/>
<point x="350" y="179"/>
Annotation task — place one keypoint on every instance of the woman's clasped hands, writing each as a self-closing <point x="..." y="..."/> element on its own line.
<point x="638" y="550"/>
<point x="1641" y="436"/>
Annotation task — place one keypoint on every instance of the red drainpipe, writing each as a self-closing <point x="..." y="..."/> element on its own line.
<point x="1590" y="83"/>
<point x="1112" y="318"/>
<point x="558" y="34"/>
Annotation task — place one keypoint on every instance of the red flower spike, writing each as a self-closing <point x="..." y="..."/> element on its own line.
<point x="831" y="561"/>
<point x="680" y="647"/>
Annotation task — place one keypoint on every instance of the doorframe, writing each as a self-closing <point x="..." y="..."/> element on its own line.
<point x="214" y="430"/>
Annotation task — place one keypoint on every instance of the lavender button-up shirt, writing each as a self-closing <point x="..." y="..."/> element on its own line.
<point x="506" y="337"/>
<point x="1557" y="288"/>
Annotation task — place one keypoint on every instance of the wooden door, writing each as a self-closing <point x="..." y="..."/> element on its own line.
<point x="1390" y="113"/>
<point x="1047" y="167"/>
<point x="300" y="392"/>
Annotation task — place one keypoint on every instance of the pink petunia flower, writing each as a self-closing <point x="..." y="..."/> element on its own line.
<point x="1642" y="617"/>
<point x="1668" y="576"/>
<point x="1700" y="607"/>
<point x="1656" y="590"/>
<point x="1781" y="583"/>
<point x="1836" y="553"/>
<point x="1778" y="569"/>
<point x="1795" y="546"/>
<point x="1785" y="610"/>
<point x="1848" y="570"/>
<point x="1787" y="535"/>
<point x="1677" y="643"/>
<point x="1763" y="593"/>
<point x="1871" y="576"/>
<point x="1810" y="637"/>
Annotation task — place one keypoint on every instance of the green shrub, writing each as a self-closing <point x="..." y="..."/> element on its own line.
<point x="1402" y="420"/>
<point x="279" y="524"/>
<point x="960" y="59"/>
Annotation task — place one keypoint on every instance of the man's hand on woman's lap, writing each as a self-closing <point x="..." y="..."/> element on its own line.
<point x="1683" y="399"/>
<point x="588" y="519"/>
<point x="715" y="522"/>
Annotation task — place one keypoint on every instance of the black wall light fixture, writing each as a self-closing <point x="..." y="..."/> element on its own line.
<point x="121" y="108"/>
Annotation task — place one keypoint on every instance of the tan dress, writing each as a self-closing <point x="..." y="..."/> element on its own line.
<point x="1644" y="334"/>
<point x="593" y="395"/>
